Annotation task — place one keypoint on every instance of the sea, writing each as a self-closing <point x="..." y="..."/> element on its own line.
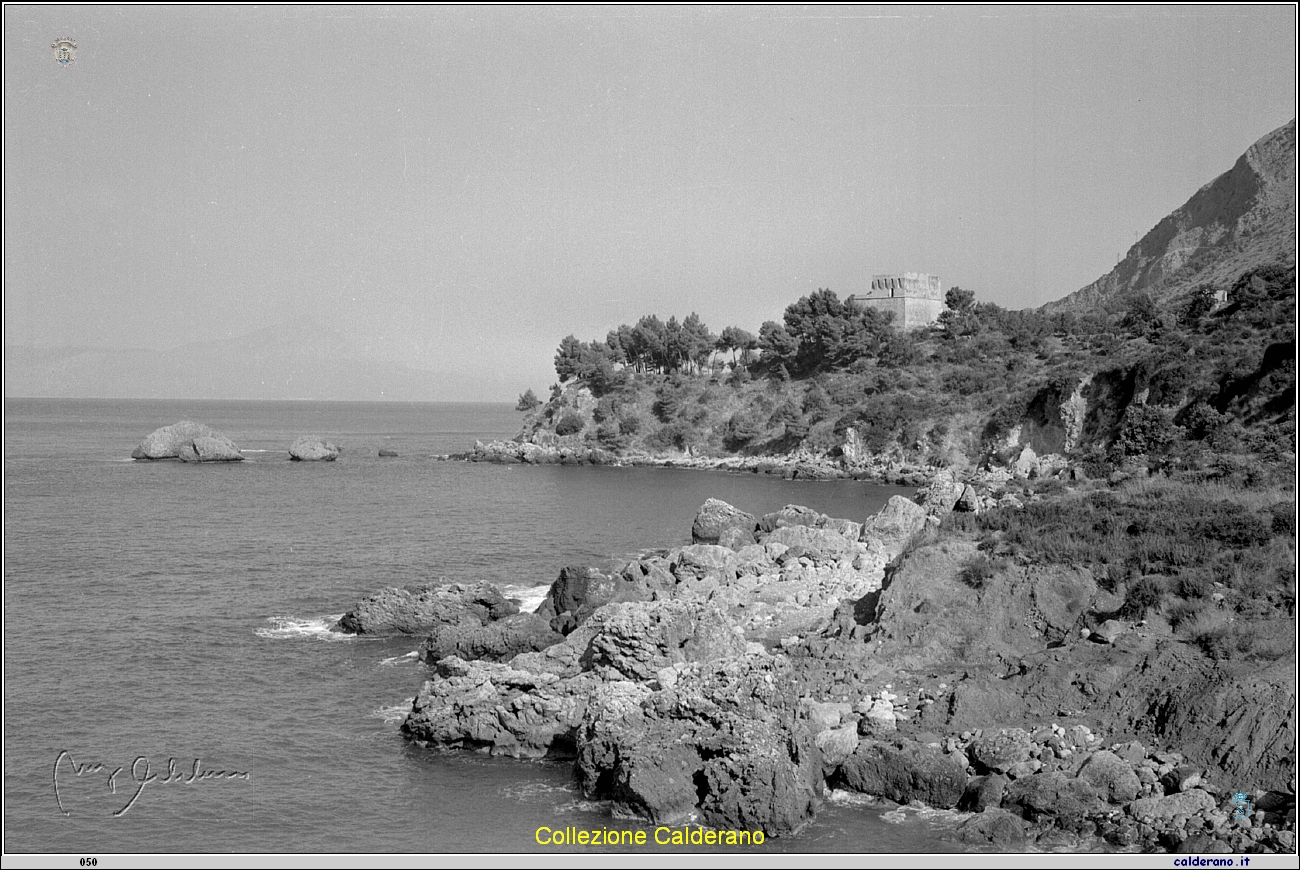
<point x="171" y="684"/>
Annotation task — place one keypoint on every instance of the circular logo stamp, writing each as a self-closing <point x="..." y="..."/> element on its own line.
<point x="65" y="51"/>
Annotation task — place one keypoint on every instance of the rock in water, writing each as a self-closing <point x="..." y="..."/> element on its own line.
<point x="210" y="448"/>
<point x="169" y="442"/>
<point x="422" y="608"/>
<point x="716" y="517"/>
<point x="310" y="448"/>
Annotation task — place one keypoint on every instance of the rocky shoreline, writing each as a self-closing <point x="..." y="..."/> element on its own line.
<point x="740" y="679"/>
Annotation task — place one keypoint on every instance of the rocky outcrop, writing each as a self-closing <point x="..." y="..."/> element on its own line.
<point x="580" y="591"/>
<point x="189" y="442"/>
<point x="719" y="739"/>
<point x="715" y="518"/>
<point x="896" y="525"/>
<point x="310" y="448"/>
<point x="667" y="693"/>
<point x="903" y="771"/>
<point x="495" y="641"/>
<point x="418" y="609"/>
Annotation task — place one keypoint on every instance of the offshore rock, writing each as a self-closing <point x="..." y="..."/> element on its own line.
<point x="715" y="517"/>
<point x="209" y="448"/>
<point x="310" y="448"/>
<point x="168" y="442"/>
<point x="419" y="609"/>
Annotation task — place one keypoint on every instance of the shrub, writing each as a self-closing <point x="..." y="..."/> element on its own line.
<point x="978" y="570"/>
<point x="570" y="424"/>
<point x="1142" y="595"/>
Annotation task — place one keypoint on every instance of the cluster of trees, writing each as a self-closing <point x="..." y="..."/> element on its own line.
<point x="822" y="333"/>
<point x="650" y="346"/>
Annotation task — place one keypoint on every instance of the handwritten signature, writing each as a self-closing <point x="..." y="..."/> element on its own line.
<point x="140" y="773"/>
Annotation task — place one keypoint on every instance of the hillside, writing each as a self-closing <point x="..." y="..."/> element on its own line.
<point x="1147" y="365"/>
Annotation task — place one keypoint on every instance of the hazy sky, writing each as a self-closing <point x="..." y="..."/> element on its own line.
<point x="457" y="183"/>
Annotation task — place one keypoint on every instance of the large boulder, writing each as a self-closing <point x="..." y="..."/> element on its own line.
<point x="209" y="448"/>
<point x="169" y="442"/>
<point x="1112" y="776"/>
<point x="716" y="517"/>
<point x="1054" y="797"/>
<point x="900" y="520"/>
<point x="310" y="448"/>
<point x="903" y="770"/>
<point x="722" y="741"/>
<point x="420" y="609"/>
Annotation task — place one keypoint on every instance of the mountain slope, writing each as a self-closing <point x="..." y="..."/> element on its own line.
<point x="1243" y="219"/>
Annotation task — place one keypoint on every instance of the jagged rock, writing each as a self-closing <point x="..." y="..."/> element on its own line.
<point x="579" y="591"/>
<point x="715" y="517"/>
<point x="893" y="528"/>
<point x="1112" y="776"/>
<point x="1181" y="779"/>
<point x="209" y="448"/>
<point x="1187" y="803"/>
<point x="984" y="793"/>
<point x="498" y="709"/>
<point x="1002" y="749"/>
<point x="941" y="494"/>
<point x="310" y="448"/>
<point x="791" y="515"/>
<point x="837" y="744"/>
<point x="1053" y="795"/>
<point x="969" y="501"/>
<point x="735" y="538"/>
<point x="168" y="442"/>
<point x="699" y="560"/>
<point x="997" y="827"/>
<point x="822" y="715"/>
<point x="902" y="771"/>
<point x="853" y="452"/>
<point x="419" y="609"/>
<point x="637" y="639"/>
<point x="1110" y="630"/>
<point x="1026" y="463"/>
<point x="721" y="741"/>
<point x="495" y="641"/>
<point x="831" y="544"/>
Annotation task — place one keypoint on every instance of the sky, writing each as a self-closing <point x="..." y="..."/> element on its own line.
<point x="461" y="184"/>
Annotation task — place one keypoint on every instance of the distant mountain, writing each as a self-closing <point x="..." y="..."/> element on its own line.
<point x="1241" y="220"/>
<point x="303" y="361"/>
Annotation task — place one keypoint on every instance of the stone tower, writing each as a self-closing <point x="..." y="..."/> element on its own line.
<point x="915" y="298"/>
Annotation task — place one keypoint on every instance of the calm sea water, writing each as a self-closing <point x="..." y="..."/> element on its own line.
<point x="157" y="611"/>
